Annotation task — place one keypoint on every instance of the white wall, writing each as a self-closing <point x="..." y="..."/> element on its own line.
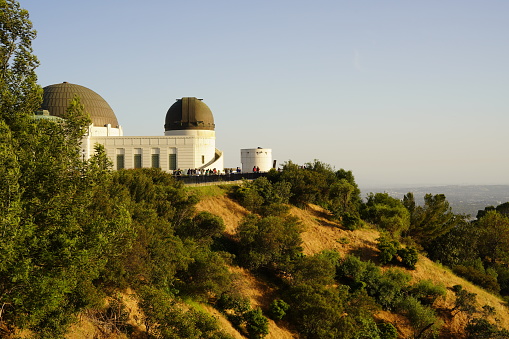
<point x="251" y="157"/>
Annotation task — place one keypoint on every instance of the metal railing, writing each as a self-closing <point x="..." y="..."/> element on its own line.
<point x="203" y="179"/>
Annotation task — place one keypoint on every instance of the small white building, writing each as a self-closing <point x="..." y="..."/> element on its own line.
<point x="256" y="157"/>
<point x="188" y="143"/>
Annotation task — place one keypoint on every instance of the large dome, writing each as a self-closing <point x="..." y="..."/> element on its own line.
<point x="56" y="99"/>
<point x="189" y="113"/>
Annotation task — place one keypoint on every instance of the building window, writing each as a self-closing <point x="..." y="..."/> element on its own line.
<point x="120" y="158"/>
<point x="173" y="162"/>
<point x="137" y="158"/>
<point x="155" y="160"/>
<point x="202" y="159"/>
<point x="155" y="157"/>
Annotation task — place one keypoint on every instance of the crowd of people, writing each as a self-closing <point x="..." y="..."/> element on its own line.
<point x="214" y="171"/>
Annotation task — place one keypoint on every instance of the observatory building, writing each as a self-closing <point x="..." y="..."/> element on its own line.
<point x="189" y="140"/>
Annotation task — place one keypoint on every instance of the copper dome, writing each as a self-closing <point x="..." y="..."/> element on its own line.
<point x="56" y="99"/>
<point x="189" y="113"/>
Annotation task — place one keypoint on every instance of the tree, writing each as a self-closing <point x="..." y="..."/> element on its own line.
<point x="270" y="242"/>
<point x="493" y="238"/>
<point x="20" y="96"/>
<point x="387" y="212"/>
<point x="430" y="221"/>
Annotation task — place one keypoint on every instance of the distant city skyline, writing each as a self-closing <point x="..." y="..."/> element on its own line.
<point x="400" y="93"/>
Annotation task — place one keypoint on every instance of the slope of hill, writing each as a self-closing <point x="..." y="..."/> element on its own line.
<point x="321" y="234"/>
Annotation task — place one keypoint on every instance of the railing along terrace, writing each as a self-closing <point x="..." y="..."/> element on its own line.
<point x="202" y="179"/>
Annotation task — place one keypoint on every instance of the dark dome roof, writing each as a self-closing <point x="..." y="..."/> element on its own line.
<point x="56" y="99"/>
<point x="189" y="113"/>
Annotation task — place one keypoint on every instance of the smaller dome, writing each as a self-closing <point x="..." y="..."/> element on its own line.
<point x="189" y="113"/>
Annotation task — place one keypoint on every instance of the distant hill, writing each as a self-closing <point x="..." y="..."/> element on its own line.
<point x="465" y="199"/>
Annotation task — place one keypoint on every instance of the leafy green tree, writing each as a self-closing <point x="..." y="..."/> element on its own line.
<point x="265" y="197"/>
<point x="317" y="312"/>
<point x="465" y="301"/>
<point x="493" y="243"/>
<point x="480" y="328"/>
<point x="270" y="242"/>
<point x="20" y="96"/>
<point x="257" y="324"/>
<point x="278" y="309"/>
<point x="167" y="317"/>
<point x="386" y="212"/>
<point x="457" y="246"/>
<point x="316" y="270"/>
<point x="430" y="221"/>
<point x="387" y="331"/>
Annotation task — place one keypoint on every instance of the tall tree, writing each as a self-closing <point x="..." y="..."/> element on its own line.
<point x="20" y="96"/>
<point x="432" y="220"/>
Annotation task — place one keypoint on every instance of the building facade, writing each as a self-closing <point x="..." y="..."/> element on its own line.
<point x="188" y="143"/>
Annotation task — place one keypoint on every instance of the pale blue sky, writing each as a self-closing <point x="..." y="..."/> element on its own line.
<point x="399" y="92"/>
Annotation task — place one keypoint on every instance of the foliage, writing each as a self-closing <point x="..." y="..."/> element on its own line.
<point x="480" y="328"/>
<point x="386" y="212"/>
<point x="264" y="197"/>
<point x="478" y="277"/>
<point x="465" y="301"/>
<point x="388" y="249"/>
<point x="430" y="221"/>
<point x="409" y="257"/>
<point x="423" y="319"/>
<point x="278" y="309"/>
<point x="316" y="311"/>
<point x="257" y="324"/>
<point x="168" y="318"/>
<point x="270" y="242"/>
<point x="427" y="292"/>
<point x="316" y="270"/>
<point x="387" y="331"/>
<point x="493" y="244"/>
<point x="20" y="96"/>
<point x="317" y="183"/>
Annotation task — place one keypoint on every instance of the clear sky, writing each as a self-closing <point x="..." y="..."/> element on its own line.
<point x="400" y="92"/>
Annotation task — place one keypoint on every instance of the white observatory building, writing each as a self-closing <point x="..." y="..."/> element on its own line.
<point x="189" y="140"/>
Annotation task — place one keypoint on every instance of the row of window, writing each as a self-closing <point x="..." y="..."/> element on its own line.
<point x="138" y="163"/>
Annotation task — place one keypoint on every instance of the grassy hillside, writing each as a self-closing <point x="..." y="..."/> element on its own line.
<point x="321" y="234"/>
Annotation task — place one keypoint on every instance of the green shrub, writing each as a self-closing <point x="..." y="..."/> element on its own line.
<point x="422" y="318"/>
<point x="478" y="277"/>
<point x="388" y="249"/>
<point x="278" y="309"/>
<point x="387" y="331"/>
<point x="257" y="324"/>
<point x="409" y="257"/>
<point x="482" y="328"/>
<point x="427" y="292"/>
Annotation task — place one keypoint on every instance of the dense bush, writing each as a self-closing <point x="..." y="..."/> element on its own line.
<point x="257" y="325"/>
<point x="278" y="309"/>
<point x="386" y="212"/>
<point x="427" y="292"/>
<point x="270" y="242"/>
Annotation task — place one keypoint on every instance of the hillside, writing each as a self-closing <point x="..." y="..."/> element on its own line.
<point x="321" y="234"/>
